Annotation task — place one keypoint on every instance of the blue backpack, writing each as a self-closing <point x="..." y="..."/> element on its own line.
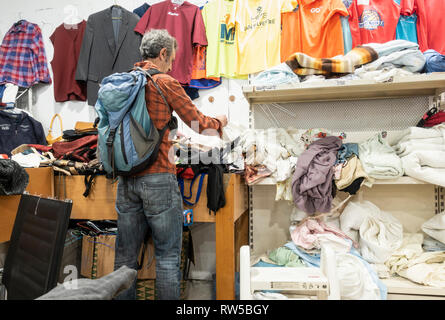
<point x="128" y="141"/>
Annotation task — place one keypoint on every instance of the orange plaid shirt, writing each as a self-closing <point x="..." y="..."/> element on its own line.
<point x="160" y="114"/>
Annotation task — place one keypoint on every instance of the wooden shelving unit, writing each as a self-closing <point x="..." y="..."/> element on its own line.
<point x="399" y="195"/>
<point x="401" y="87"/>
<point x="402" y="286"/>
<point x="400" y="181"/>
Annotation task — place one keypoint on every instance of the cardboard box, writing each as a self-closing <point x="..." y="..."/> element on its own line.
<point x="100" y="203"/>
<point x="98" y="258"/>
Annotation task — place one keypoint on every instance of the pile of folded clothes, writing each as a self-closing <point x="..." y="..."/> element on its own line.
<point x="422" y="152"/>
<point x="380" y="62"/>
<point x="75" y="154"/>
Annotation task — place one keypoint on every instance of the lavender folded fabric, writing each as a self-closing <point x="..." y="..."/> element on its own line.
<point x="312" y="179"/>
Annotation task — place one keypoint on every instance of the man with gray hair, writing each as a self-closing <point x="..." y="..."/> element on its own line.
<point x="152" y="198"/>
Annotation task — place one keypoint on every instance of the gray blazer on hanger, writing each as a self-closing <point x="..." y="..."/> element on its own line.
<point x="103" y="53"/>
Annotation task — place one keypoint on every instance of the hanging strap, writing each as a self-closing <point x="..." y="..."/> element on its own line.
<point x="88" y="184"/>
<point x="173" y="122"/>
<point x="52" y="122"/>
<point x="198" y="195"/>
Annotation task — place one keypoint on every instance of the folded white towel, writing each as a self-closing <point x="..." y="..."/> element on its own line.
<point x="420" y="133"/>
<point x="405" y="148"/>
<point x="428" y="166"/>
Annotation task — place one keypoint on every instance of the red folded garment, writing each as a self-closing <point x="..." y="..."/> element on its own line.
<point x="40" y="147"/>
<point x="435" y="119"/>
<point x="77" y="149"/>
<point x="185" y="173"/>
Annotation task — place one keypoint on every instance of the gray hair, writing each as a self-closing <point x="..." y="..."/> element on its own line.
<point x="153" y="42"/>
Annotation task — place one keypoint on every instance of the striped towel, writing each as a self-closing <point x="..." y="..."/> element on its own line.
<point x="304" y="65"/>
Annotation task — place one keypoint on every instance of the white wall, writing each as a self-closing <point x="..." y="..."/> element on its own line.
<point x="49" y="14"/>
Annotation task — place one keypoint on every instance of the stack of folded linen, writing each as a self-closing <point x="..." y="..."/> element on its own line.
<point x="423" y="153"/>
<point x="378" y="159"/>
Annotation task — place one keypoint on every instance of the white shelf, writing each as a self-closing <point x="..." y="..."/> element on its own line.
<point x="401" y="87"/>
<point x="399" y="285"/>
<point x="401" y="181"/>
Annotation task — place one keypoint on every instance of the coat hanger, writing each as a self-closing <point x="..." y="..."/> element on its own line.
<point x="72" y="17"/>
<point x="9" y="107"/>
<point x="117" y="6"/>
<point x="19" y="19"/>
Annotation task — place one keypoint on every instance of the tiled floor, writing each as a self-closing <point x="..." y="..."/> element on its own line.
<point x="200" y="290"/>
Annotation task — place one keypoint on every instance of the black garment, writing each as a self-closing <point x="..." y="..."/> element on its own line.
<point x="354" y="186"/>
<point x="141" y="10"/>
<point x="71" y="135"/>
<point x="215" y="184"/>
<point x="13" y="178"/>
<point x="193" y="93"/>
<point x="216" y="198"/>
<point x="18" y="129"/>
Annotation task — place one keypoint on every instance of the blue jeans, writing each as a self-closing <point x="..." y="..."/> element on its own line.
<point x="151" y="201"/>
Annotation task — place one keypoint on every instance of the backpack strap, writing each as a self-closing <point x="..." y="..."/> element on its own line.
<point x="172" y="123"/>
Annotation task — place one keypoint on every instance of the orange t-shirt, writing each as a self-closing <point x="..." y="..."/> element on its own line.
<point x="199" y="64"/>
<point x="313" y="28"/>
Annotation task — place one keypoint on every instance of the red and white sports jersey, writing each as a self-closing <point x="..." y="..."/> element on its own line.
<point x="374" y="21"/>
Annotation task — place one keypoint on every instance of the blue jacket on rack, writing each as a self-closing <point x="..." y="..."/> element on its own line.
<point x="18" y="129"/>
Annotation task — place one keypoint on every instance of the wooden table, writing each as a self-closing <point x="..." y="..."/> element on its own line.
<point x="232" y="221"/>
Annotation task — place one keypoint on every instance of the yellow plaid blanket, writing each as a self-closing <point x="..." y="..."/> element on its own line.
<point x="304" y="65"/>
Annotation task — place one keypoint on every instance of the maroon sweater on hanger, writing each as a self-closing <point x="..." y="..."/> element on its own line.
<point x="67" y="44"/>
